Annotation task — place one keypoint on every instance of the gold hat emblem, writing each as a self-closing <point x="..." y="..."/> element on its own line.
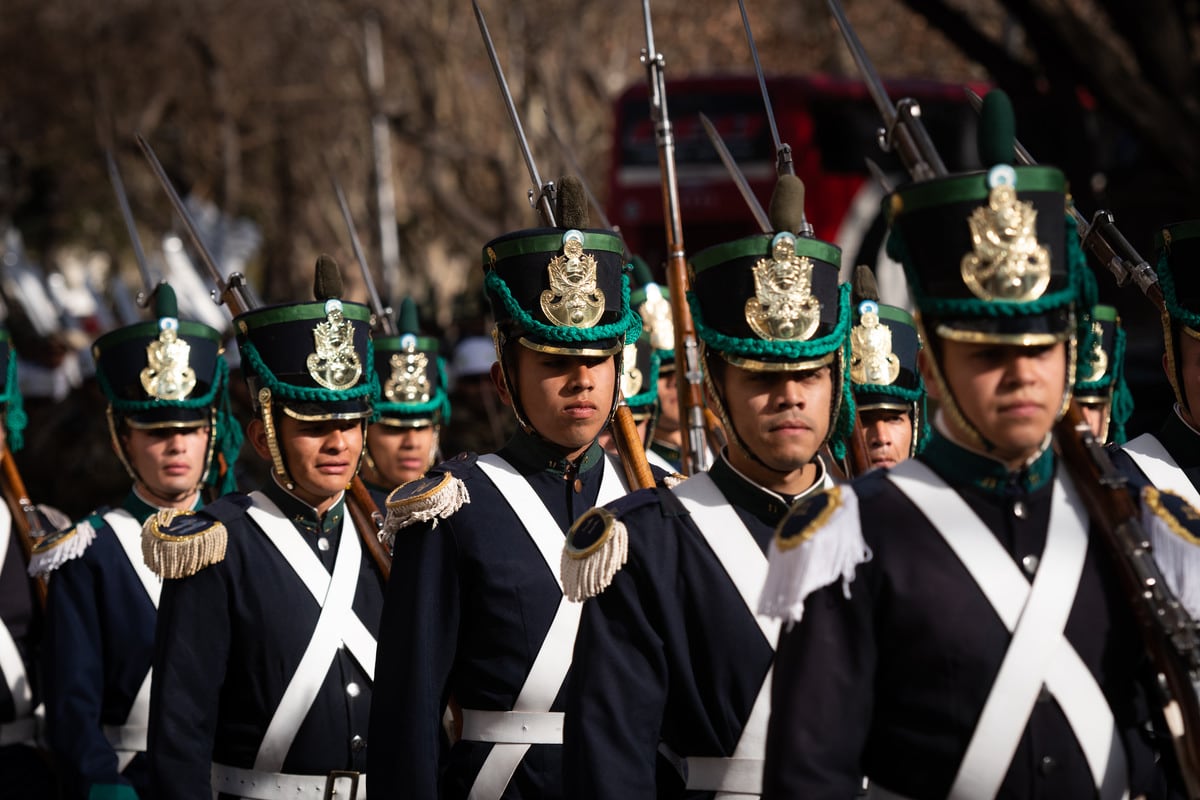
<point x="334" y="365"/>
<point x="871" y="358"/>
<point x="1095" y="365"/>
<point x="631" y="376"/>
<point x="1007" y="262"/>
<point x="783" y="306"/>
<point x="409" y="382"/>
<point x="167" y="375"/>
<point x="573" y="299"/>
<point x="657" y="320"/>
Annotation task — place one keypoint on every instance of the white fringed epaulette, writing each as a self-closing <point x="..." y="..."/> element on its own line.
<point x="597" y="547"/>
<point x="816" y="544"/>
<point x="52" y="551"/>
<point x="178" y="544"/>
<point x="1174" y="530"/>
<point x="434" y="497"/>
<point x="673" y="480"/>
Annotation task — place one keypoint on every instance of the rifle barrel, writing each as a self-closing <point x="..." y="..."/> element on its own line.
<point x="114" y="176"/>
<point x="783" y="153"/>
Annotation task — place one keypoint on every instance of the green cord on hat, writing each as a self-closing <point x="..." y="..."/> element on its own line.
<point x="629" y="327"/>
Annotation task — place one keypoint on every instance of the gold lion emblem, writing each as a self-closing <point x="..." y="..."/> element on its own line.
<point x="1007" y="262"/>
<point x="783" y="307"/>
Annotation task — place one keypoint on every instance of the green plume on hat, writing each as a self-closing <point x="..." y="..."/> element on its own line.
<point x="407" y="321"/>
<point x="165" y="302"/>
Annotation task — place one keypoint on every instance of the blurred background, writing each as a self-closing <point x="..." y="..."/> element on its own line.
<point x="251" y="105"/>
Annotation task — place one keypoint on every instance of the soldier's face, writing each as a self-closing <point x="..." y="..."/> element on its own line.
<point x="169" y="461"/>
<point x="1011" y="394"/>
<point x="321" y="456"/>
<point x="567" y="399"/>
<point x="401" y="454"/>
<point x="888" y="434"/>
<point x="782" y="417"/>
<point x="668" y="398"/>
<point x="1189" y="368"/>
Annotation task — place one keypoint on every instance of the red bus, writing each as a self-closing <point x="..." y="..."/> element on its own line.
<point x="831" y="125"/>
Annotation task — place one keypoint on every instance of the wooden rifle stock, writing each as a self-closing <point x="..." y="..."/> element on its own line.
<point x="25" y="519"/>
<point x="633" y="454"/>
<point x="1168" y="632"/>
<point x="857" y="452"/>
<point x="369" y="521"/>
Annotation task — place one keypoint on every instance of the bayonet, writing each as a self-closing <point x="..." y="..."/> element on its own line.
<point x="383" y="314"/>
<point x="783" y="151"/>
<point x="694" y="454"/>
<point x="735" y="172"/>
<point x="903" y="131"/>
<point x="148" y="284"/>
<point x="541" y="196"/>
<point x="1100" y="236"/>
<point x="234" y="292"/>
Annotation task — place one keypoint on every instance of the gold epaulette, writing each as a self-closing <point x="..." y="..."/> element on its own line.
<point x="435" y="497"/>
<point x="674" y="479"/>
<point x="597" y="547"/>
<point x="52" y="551"/>
<point x="178" y="544"/>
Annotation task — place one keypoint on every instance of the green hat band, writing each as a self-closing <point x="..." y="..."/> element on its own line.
<point x="311" y="394"/>
<point x="629" y="327"/>
<point x="439" y="403"/>
<point x="779" y="349"/>
<point x="15" y="418"/>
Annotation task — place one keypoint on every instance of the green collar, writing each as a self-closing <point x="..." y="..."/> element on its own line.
<point x="667" y="450"/>
<point x="741" y="492"/>
<point x="531" y="453"/>
<point x="142" y="511"/>
<point x="304" y="516"/>
<point x="1181" y="440"/>
<point x="958" y="465"/>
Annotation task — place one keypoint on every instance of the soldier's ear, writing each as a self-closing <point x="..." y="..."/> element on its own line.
<point x="501" y="384"/>
<point x="932" y="387"/>
<point x="256" y="432"/>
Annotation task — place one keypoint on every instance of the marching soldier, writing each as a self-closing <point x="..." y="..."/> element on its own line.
<point x="671" y="657"/>
<point x="652" y="303"/>
<point x="889" y="393"/>
<point x="1170" y="459"/>
<point x="639" y="390"/>
<point x="24" y="769"/>
<point x="1100" y="387"/>
<point x="955" y="629"/>
<point x="265" y="653"/>
<point x="165" y="382"/>
<point x="412" y="408"/>
<point x="475" y="615"/>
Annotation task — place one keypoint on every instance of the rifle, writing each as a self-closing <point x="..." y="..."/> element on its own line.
<point x="114" y="175"/>
<point x="385" y="193"/>
<point x="542" y="199"/>
<point x="1167" y="630"/>
<point x="735" y="172"/>
<point x="235" y="294"/>
<point x="27" y="522"/>
<point x="687" y="349"/>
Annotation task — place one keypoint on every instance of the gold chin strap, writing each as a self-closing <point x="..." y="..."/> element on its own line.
<point x="118" y="448"/>
<point x="1172" y="363"/>
<point x="268" y="418"/>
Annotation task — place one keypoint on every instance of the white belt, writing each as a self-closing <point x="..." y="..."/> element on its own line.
<point x="21" y="731"/>
<point x="738" y="776"/>
<point x="512" y="727"/>
<point x="258" y="785"/>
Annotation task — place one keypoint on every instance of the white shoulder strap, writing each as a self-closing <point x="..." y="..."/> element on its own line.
<point x="11" y="663"/>
<point x="1038" y="653"/>
<point x="746" y="564"/>
<point x="129" y="534"/>
<point x="553" y="660"/>
<point x="337" y="624"/>
<point x="1161" y="470"/>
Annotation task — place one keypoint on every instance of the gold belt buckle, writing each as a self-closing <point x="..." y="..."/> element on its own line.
<point x="336" y="775"/>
